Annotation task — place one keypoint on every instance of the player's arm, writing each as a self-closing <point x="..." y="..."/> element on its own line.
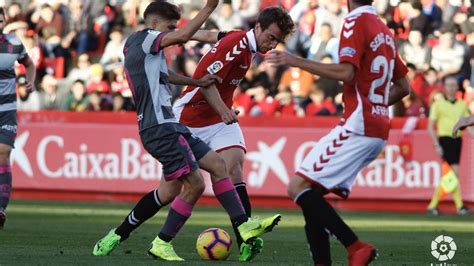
<point x="30" y="72"/>
<point x="463" y="123"/>
<point x="208" y="36"/>
<point x="184" y="34"/>
<point x="207" y="80"/>
<point x="212" y="96"/>
<point x="400" y="89"/>
<point x="343" y="71"/>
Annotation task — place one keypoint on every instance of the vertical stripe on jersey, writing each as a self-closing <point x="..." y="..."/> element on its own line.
<point x="355" y="122"/>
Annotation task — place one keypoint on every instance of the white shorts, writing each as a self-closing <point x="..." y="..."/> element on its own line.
<point x="221" y="136"/>
<point x="333" y="164"/>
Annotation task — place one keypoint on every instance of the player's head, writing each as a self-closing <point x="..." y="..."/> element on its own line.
<point x="2" y="19"/>
<point x="273" y="26"/>
<point x="450" y="83"/>
<point x="162" y="16"/>
<point x="352" y="4"/>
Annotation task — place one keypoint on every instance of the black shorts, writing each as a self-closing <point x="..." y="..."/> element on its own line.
<point x="451" y="149"/>
<point x="175" y="148"/>
<point x="8" y="127"/>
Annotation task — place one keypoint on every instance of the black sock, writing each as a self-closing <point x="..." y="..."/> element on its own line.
<point x="148" y="206"/>
<point x="241" y="189"/>
<point x="320" y="212"/>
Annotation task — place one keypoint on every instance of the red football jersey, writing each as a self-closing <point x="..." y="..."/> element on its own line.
<point x="230" y="58"/>
<point x="367" y="43"/>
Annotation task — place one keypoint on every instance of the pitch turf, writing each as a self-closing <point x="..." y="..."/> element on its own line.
<point x="58" y="233"/>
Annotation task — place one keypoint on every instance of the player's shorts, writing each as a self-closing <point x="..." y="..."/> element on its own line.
<point x="334" y="162"/>
<point x="175" y="148"/>
<point x="220" y="136"/>
<point x="451" y="149"/>
<point x="8" y="127"/>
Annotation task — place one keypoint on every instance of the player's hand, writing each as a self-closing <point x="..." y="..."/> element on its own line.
<point x="280" y="58"/>
<point x="230" y="117"/>
<point x="30" y="87"/>
<point x="460" y="125"/>
<point x="212" y="3"/>
<point x="208" y="80"/>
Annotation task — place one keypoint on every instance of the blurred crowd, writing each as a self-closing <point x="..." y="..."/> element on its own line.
<point x="77" y="48"/>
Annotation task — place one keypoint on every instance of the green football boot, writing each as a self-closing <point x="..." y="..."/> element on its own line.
<point x="160" y="249"/>
<point x="254" y="228"/>
<point x="250" y="250"/>
<point x="107" y="244"/>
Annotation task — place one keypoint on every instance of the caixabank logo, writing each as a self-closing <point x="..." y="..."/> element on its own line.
<point x="443" y="248"/>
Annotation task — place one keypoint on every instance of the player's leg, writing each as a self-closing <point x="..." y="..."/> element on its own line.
<point x="8" y="122"/>
<point x="234" y="159"/>
<point x="225" y="192"/>
<point x="148" y="206"/>
<point x="301" y="192"/>
<point x="5" y="181"/>
<point x="182" y="166"/>
<point x="332" y="165"/>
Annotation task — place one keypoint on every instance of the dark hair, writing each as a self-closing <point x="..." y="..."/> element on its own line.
<point x="416" y="4"/>
<point x="162" y="9"/>
<point x="2" y="11"/>
<point x="364" y="2"/>
<point x="276" y="15"/>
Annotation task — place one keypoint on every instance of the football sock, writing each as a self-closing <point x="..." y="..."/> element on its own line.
<point x="435" y="199"/>
<point x="318" y="238"/>
<point x="179" y="212"/>
<point x="457" y="197"/>
<point x="321" y="212"/>
<point x="148" y="206"/>
<point x="228" y="198"/>
<point x="5" y="186"/>
<point x="241" y="189"/>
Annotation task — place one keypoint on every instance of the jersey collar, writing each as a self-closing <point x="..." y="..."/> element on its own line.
<point x="252" y="41"/>
<point x="362" y="9"/>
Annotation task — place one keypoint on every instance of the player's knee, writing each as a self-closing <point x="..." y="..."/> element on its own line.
<point x="235" y="172"/>
<point x="219" y="168"/>
<point x="195" y="184"/>
<point x="296" y="185"/>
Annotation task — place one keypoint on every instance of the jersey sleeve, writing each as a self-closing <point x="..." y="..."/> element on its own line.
<point x="228" y="51"/>
<point x="152" y="42"/>
<point x="351" y="48"/>
<point x="400" y="70"/>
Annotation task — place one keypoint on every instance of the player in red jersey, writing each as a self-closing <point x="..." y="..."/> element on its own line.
<point x="374" y="78"/>
<point x="208" y="112"/>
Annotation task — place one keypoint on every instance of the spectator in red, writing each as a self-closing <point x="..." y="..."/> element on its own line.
<point x="96" y="82"/>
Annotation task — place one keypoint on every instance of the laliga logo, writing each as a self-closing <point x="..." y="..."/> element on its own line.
<point x="443" y="248"/>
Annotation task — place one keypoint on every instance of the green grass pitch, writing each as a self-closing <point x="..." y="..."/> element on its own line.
<point x="63" y="233"/>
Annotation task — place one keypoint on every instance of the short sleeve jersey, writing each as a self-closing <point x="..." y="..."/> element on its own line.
<point x="11" y="50"/>
<point x="147" y="75"/>
<point x="446" y="114"/>
<point x="230" y="58"/>
<point x="368" y="45"/>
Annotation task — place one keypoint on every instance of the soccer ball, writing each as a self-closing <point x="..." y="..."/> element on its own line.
<point x="214" y="244"/>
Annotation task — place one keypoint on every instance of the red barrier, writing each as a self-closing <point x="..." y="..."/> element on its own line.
<point x="99" y="156"/>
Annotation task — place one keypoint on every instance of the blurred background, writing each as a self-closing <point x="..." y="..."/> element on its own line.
<point x="77" y="47"/>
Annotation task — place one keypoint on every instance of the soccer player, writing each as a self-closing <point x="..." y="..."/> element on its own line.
<point x="369" y="64"/>
<point x="444" y="113"/>
<point x="170" y="142"/>
<point x="11" y="50"/>
<point x="208" y="112"/>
